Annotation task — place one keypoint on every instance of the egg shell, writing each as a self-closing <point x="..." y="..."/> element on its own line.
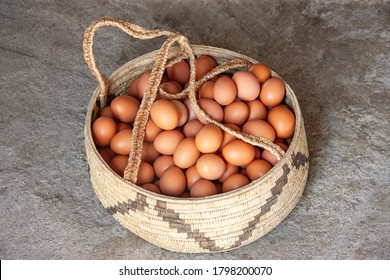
<point x="238" y="152"/>
<point x="209" y="139"/>
<point x="183" y="112"/>
<point x="236" y="113"/>
<point x="149" y="153"/>
<point x="118" y="164"/>
<point x="165" y="114"/>
<point x="143" y="83"/>
<point x="192" y="128"/>
<point x="103" y="129"/>
<point x="282" y="119"/>
<point x="206" y="90"/>
<point x="186" y="153"/>
<point x="210" y="166"/>
<point x="185" y="194"/>
<point x="151" y="131"/>
<point x="179" y="72"/>
<point x="151" y="187"/>
<point x="257" y="169"/>
<point x="171" y="87"/>
<point x="166" y="141"/>
<point x="204" y="64"/>
<point x="230" y="170"/>
<point x="191" y="112"/>
<point x="107" y="112"/>
<point x="227" y="137"/>
<point x="203" y="188"/>
<point x="257" y="110"/>
<point x="248" y="87"/>
<point x="192" y="176"/>
<point x="133" y="88"/>
<point x="121" y="142"/>
<point x="145" y="173"/>
<point x="272" y="92"/>
<point x="268" y="156"/>
<point x="259" y="128"/>
<point x="224" y="91"/>
<point x="212" y="108"/>
<point x="161" y="163"/>
<point x="122" y="125"/>
<point x="261" y="71"/>
<point x="172" y="181"/>
<point x="106" y="153"/>
<point x="125" y="108"/>
<point x="234" y="181"/>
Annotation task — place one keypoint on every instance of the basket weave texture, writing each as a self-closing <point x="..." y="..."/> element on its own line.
<point x="212" y="224"/>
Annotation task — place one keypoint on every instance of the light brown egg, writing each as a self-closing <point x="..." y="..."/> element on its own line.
<point x="257" y="169"/>
<point x="234" y="181"/>
<point x="206" y="90"/>
<point x="143" y="83"/>
<point x="203" y="188"/>
<point x="171" y="87"/>
<point x="186" y="153"/>
<point x="230" y="170"/>
<point x="282" y="119"/>
<point x="224" y="90"/>
<point x="165" y="114"/>
<point x="192" y="176"/>
<point x="107" y="112"/>
<point x="209" y="139"/>
<point x="133" y="88"/>
<point x="261" y="71"/>
<point x="248" y="87"/>
<point x="145" y="173"/>
<point x="268" y="156"/>
<point x="125" y="108"/>
<point x="238" y="153"/>
<point x="210" y="166"/>
<point x="118" y="164"/>
<point x="173" y="181"/>
<point x="259" y="128"/>
<point x="151" y="187"/>
<point x="121" y="142"/>
<point x="236" y="113"/>
<point x="212" y="108"/>
<point x="272" y="92"/>
<point x="166" y="141"/>
<point x="149" y="153"/>
<point x="103" y="129"/>
<point x="179" y="72"/>
<point x="106" y="153"/>
<point x="151" y="131"/>
<point x="227" y="137"/>
<point x="191" y="112"/>
<point x="183" y="112"/>
<point x="192" y="128"/>
<point x="185" y="194"/>
<point x="162" y="163"/>
<point x="122" y="125"/>
<point x="257" y="110"/>
<point x="204" y="64"/>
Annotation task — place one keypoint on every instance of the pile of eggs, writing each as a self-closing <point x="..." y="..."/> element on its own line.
<point x="183" y="154"/>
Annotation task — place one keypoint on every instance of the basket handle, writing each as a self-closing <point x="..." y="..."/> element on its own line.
<point x="132" y="168"/>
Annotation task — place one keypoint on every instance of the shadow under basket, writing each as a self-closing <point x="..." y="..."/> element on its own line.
<point x="212" y="224"/>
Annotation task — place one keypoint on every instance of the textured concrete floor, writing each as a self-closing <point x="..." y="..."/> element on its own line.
<point x="334" y="54"/>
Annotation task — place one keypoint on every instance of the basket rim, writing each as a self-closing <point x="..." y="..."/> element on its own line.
<point x="198" y="50"/>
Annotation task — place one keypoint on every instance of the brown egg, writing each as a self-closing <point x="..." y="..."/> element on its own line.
<point x="151" y="187"/>
<point x="230" y="170"/>
<point x="282" y="120"/>
<point x="238" y="153"/>
<point x="268" y="156"/>
<point x="234" y="181"/>
<point x="257" y="169"/>
<point x="219" y="187"/>
<point x="125" y="108"/>
<point x="192" y="128"/>
<point x="224" y="91"/>
<point x="210" y="166"/>
<point x="204" y="64"/>
<point x="259" y="128"/>
<point x="121" y="142"/>
<point x="192" y="176"/>
<point x="118" y="164"/>
<point x="257" y="110"/>
<point x="248" y="87"/>
<point x="236" y="113"/>
<point x="167" y="141"/>
<point x="227" y="137"/>
<point x="106" y="153"/>
<point x="133" y="88"/>
<point x="179" y="72"/>
<point x="209" y="139"/>
<point x="151" y="131"/>
<point x="103" y="129"/>
<point x="145" y="173"/>
<point x="272" y="92"/>
<point x="143" y="83"/>
<point x="203" y="188"/>
<point x="261" y="71"/>
<point x="171" y="87"/>
<point x="162" y="163"/>
<point x="206" y="90"/>
<point x="185" y="194"/>
<point x="212" y="108"/>
<point x="121" y="126"/>
<point x="149" y="153"/>
<point x="186" y="154"/>
<point x="165" y="114"/>
<point x="183" y="112"/>
<point x="107" y="112"/>
<point x="173" y="181"/>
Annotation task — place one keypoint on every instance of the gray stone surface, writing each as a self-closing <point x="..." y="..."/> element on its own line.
<point x="334" y="54"/>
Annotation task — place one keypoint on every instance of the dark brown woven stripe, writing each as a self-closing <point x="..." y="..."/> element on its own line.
<point x="299" y="159"/>
<point x="130" y="205"/>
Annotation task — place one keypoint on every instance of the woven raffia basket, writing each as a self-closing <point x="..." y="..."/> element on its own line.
<point x="217" y="223"/>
